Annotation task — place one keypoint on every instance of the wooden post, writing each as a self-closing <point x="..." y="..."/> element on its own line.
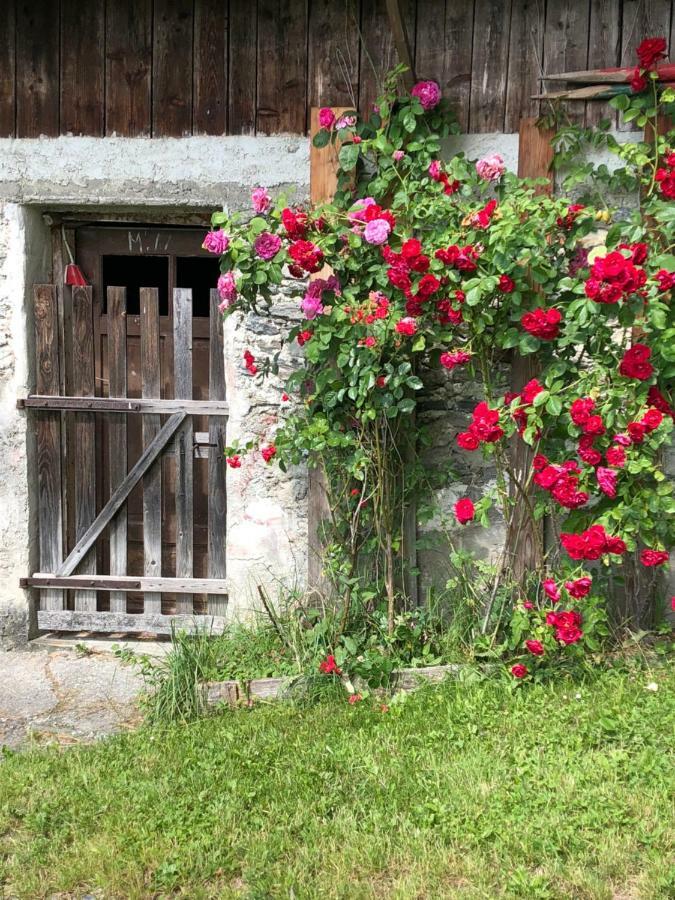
<point x="401" y="40"/>
<point x="182" y="372"/>
<point x="117" y="434"/>
<point x="152" y="482"/>
<point x="217" y="515"/>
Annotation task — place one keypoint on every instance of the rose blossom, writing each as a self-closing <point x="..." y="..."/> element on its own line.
<point x="579" y="587"/>
<point x="261" y="200"/>
<point x="345" y="122"/>
<point x="377" y="231"/>
<point x="635" y="363"/>
<point x="491" y="168"/>
<point x="606" y="481"/>
<point x="519" y="670"/>
<point x="227" y="290"/>
<point x="536" y="648"/>
<point x="551" y="589"/>
<point x="464" y="510"/>
<point x="654" y="557"/>
<point x="428" y="93"/>
<point x="326" y="117"/>
<point x="267" y="245"/>
<point x="650" y="51"/>
<point x="450" y="361"/>
<point x="616" y="456"/>
<point x="311" y="306"/>
<point x="268" y="452"/>
<point x="234" y="461"/>
<point x="406" y="326"/>
<point x="397" y="155"/>
<point x="216" y="241"/>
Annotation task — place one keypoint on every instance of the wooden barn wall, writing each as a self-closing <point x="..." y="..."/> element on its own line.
<point x="177" y="67"/>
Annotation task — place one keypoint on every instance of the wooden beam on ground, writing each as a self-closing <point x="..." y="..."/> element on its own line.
<point x="64" y="620"/>
<point x="120" y="405"/>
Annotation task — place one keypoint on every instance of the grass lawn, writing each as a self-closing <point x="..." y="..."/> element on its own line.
<point x="468" y="790"/>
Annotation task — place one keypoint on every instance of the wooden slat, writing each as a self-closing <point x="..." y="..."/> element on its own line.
<point x="243" y="58"/>
<point x="127" y="583"/>
<point x="123" y="622"/>
<point x="37" y="69"/>
<point x="172" y="68"/>
<point x="82" y="66"/>
<point x="566" y="42"/>
<point x="489" y="65"/>
<point x="281" y="70"/>
<point x="217" y="512"/>
<point x="152" y="482"/>
<point x="8" y="69"/>
<point x="604" y="49"/>
<point x="117" y="433"/>
<point x="333" y="43"/>
<point x="85" y="432"/>
<point x="128" y="67"/>
<point x="378" y="49"/>
<point x="535" y="153"/>
<point x="525" y="60"/>
<point x="120" y="495"/>
<point x="641" y="19"/>
<point x="48" y="435"/>
<point x="182" y="374"/>
<point x="396" y="21"/>
<point x="118" y="405"/>
<point x="210" y="67"/>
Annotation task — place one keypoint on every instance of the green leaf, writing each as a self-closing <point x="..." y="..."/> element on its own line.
<point x="407" y="405"/>
<point x="554" y="406"/>
<point x="349" y="155"/>
<point x="257" y="224"/>
<point x="419" y="343"/>
<point x="321" y="138"/>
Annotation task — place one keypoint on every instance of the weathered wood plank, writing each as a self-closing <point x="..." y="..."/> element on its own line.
<point x="333" y="42"/>
<point x="37" y="69"/>
<point x="641" y="19"/>
<point x="604" y="49"/>
<point x="397" y="25"/>
<point x="378" y="49"/>
<point x="182" y="374"/>
<point x="217" y="512"/>
<point x="82" y="67"/>
<point x="243" y="57"/>
<point x="489" y="65"/>
<point x="566" y="42"/>
<point x="84" y="432"/>
<point x="132" y="583"/>
<point x="118" y="405"/>
<point x="120" y="494"/>
<point x="525" y="60"/>
<point x="8" y="69"/>
<point x="128" y="99"/>
<point x="152" y="481"/>
<point x="281" y="68"/>
<point x="117" y="433"/>
<point x="210" y="67"/>
<point x="107" y="622"/>
<point x="48" y="437"/>
<point x="172" y="68"/>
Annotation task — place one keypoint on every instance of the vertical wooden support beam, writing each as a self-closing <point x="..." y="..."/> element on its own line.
<point x="117" y="434"/>
<point x="182" y="372"/>
<point x="48" y="435"/>
<point x="217" y="604"/>
<point x="152" y="482"/>
<point x="85" y="434"/>
<point x="397" y="26"/>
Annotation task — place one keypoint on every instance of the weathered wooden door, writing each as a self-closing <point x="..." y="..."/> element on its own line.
<point x="131" y="473"/>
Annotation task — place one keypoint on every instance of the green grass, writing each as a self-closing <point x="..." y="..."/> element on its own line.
<point x="469" y="790"/>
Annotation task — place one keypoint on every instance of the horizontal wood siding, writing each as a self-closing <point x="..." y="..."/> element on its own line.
<point x="179" y="67"/>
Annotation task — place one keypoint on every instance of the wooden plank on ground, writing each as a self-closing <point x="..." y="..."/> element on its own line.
<point x="182" y="374"/>
<point x="217" y="512"/>
<point x="378" y="49"/>
<point x="152" y="481"/>
<point x="141" y="406"/>
<point x="282" y="67"/>
<point x="128" y="622"/>
<point x="37" y="70"/>
<point x="8" y="69"/>
<point x="566" y="42"/>
<point x="84" y="433"/>
<point x="117" y="433"/>
<point x="172" y="68"/>
<point x="243" y="57"/>
<point x="128" y="68"/>
<point x="82" y="67"/>
<point x="333" y="43"/>
<point x="210" y="67"/>
<point x="489" y="65"/>
<point x="525" y="61"/>
<point x="120" y="495"/>
<point x="48" y="436"/>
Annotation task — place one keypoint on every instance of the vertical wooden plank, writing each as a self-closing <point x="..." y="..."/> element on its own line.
<point x="334" y="53"/>
<point x="641" y="19"/>
<point x="535" y="153"/>
<point x="48" y="435"/>
<point x="8" y="69"/>
<point x="182" y="373"/>
<point x="282" y="67"/>
<point x="128" y="67"/>
<point x="525" y="61"/>
<point x="82" y="66"/>
<point x="378" y="50"/>
<point x="152" y="482"/>
<point x="489" y="65"/>
<point x="217" y="524"/>
<point x="604" y="50"/>
<point x="243" y="57"/>
<point x="444" y="47"/>
<point x="37" y="69"/>
<point x="172" y="68"/>
<point x="85" y="434"/>
<point x="117" y="434"/>
<point x="210" y="67"/>
<point x="566" y="42"/>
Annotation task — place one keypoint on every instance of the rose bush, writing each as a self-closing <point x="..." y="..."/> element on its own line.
<point x="449" y="264"/>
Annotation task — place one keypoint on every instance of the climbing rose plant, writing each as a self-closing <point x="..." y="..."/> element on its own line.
<point x="422" y="265"/>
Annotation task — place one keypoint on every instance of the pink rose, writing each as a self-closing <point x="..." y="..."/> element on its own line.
<point x="326" y="117"/>
<point x="377" y="231"/>
<point x="345" y="122"/>
<point x="311" y="306"/>
<point x="397" y="155"/>
<point x="261" y="200"/>
<point x="435" y="169"/>
<point x="227" y="290"/>
<point x="267" y="245"/>
<point x="428" y="93"/>
<point x="491" y="168"/>
<point x="216" y="241"/>
<point x="551" y="589"/>
<point x="606" y="481"/>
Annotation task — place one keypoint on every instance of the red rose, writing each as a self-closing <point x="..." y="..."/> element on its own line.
<point x="638" y="82"/>
<point x="329" y="666"/>
<point x="551" y="589"/>
<point x="656" y="399"/>
<point x="579" y="588"/>
<point x="306" y="255"/>
<point x="464" y="510"/>
<point x="539" y="462"/>
<point x="581" y="409"/>
<point x="542" y="323"/>
<point x="650" y="51"/>
<point x="594" y="425"/>
<point x="234" y="462"/>
<point x="654" y="557"/>
<point x="568" y="634"/>
<point x="467" y="440"/>
<point x="636" y="432"/>
<point x="635" y="363"/>
<point x="506" y="285"/>
<point x="407" y="326"/>
<point x="268" y="452"/>
<point x="536" y="648"/>
<point x="295" y="223"/>
<point x="616" y="456"/>
<point x="652" y="419"/>
<point x="519" y="670"/>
